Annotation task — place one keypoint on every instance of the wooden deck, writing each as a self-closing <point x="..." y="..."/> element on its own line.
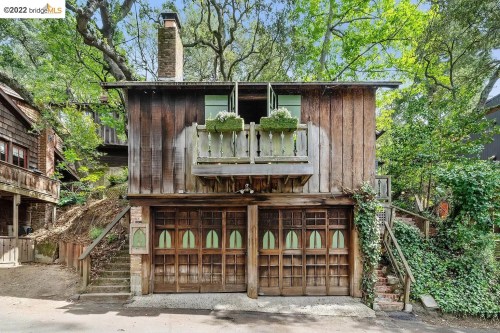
<point x="17" y="180"/>
<point x="252" y="152"/>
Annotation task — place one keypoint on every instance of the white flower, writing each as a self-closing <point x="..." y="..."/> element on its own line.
<point x="222" y="116"/>
<point x="280" y="113"/>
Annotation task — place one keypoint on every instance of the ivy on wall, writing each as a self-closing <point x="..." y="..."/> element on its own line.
<point x="365" y="209"/>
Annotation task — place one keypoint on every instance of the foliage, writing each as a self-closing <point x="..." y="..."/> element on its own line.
<point x="119" y="179"/>
<point x="354" y="39"/>
<point x="225" y="122"/>
<point x="224" y="115"/>
<point x="280" y="113"/>
<point x="466" y="285"/>
<point x="95" y="232"/>
<point x="457" y="266"/>
<point x="365" y="210"/>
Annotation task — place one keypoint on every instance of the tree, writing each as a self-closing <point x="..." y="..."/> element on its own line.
<point x="354" y="39"/>
<point x="236" y="40"/>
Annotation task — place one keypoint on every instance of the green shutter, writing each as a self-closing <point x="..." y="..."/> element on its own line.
<point x="235" y="240"/>
<point x="292" y="103"/>
<point x="338" y="240"/>
<point x="139" y="239"/>
<point x="214" y="104"/>
<point x="188" y="240"/>
<point x="315" y="240"/>
<point x="165" y="240"/>
<point x="292" y="241"/>
<point x="212" y="240"/>
<point x="268" y="241"/>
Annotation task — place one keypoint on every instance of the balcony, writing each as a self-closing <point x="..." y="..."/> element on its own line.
<point x="35" y="187"/>
<point x="252" y="152"/>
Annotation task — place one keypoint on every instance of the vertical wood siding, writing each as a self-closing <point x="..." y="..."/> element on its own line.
<point x="161" y="143"/>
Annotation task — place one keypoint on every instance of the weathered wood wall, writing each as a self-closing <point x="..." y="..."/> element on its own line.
<point x="160" y="149"/>
<point x="12" y="129"/>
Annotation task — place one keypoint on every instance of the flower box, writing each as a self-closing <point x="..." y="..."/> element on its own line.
<point x="272" y="124"/>
<point x="228" y="125"/>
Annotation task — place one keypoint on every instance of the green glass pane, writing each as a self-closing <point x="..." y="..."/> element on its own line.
<point x="292" y="240"/>
<point x="315" y="240"/>
<point x="188" y="240"/>
<point x="214" y="104"/>
<point x="235" y="240"/>
<point x="139" y="239"/>
<point x="212" y="240"/>
<point x="341" y="240"/>
<point x="268" y="241"/>
<point x="165" y="240"/>
<point x="292" y="103"/>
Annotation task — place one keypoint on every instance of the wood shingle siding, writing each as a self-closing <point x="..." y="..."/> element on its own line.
<point x="161" y="142"/>
<point x="15" y="131"/>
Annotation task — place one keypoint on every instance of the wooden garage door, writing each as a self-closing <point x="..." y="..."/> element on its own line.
<point x="199" y="250"/>
<point x="304" y="251"/>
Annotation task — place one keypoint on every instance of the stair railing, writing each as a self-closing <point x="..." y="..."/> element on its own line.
<point x="86" y="258"/>
<point x="404" y="273"/>
<point x="426" y="220"/>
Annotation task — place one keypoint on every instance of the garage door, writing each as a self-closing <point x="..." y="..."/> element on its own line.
<point x="199" y="250"/>
<point x="304" y="251"/>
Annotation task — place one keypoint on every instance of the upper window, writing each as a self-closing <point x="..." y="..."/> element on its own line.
<point x="214" y="104"/>
<point x="19" y="156"/>
<point x="4" y="152"/>
<point x="291" y="102"/>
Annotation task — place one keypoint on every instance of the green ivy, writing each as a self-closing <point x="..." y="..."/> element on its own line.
<point x="365" y="209"/>
<point x="457" y="266"/>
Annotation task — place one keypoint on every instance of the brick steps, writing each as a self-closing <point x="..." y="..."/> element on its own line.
<point x="387" y="296"/>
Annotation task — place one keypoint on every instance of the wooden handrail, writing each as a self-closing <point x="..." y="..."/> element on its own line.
<point x="398" y="248"/>
<point x="412" y="213"/>
<point x="104" y="233"/>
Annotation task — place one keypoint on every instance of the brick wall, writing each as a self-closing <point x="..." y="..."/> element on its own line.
<point x="170" y="52"/>
<point x="136" y="259"/>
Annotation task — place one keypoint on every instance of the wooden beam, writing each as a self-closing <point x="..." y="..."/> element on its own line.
<point x="146" y="258"/>
<point x="27" y="193"/>
<point x="15" y="220"/>
<point x="278" y="169"/>
<point x="252" y="254"/>
<point x="238" y="200"/>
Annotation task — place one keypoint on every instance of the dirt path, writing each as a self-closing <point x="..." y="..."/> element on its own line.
<point x="39" y="281"/>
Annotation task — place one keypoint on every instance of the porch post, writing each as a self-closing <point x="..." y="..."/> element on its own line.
<point x="252" y="248"/>
<point x="16" y="201"/>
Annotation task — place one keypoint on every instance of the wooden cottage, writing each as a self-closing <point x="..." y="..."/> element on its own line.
<point x="27" y="160"/>
<point x="253" y="210"/>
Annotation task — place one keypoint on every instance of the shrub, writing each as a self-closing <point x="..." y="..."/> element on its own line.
<point x="95" y="232"/>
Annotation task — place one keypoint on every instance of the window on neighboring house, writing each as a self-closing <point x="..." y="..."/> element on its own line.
<point x="4" y="151"/>
<point x="19" y="156"/>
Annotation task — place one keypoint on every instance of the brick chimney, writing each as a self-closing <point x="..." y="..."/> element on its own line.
<point x="170" y="49"/>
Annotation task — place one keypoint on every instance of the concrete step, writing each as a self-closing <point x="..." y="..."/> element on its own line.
<point x="112" y="281"/>
<point x="388" y="306"/>
<point x="106" y="297"/>
<point x="116" y="273"/>
<point x="116" y="266"/>
<point x="108" y="289"/>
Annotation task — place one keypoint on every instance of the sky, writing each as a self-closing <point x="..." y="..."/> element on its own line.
<point x="496" y="53"/>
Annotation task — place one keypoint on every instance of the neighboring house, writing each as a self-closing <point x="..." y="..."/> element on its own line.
<point x="492" y="150"/>
<point x="28" y="194"/>
<point x="250" y="211"/>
